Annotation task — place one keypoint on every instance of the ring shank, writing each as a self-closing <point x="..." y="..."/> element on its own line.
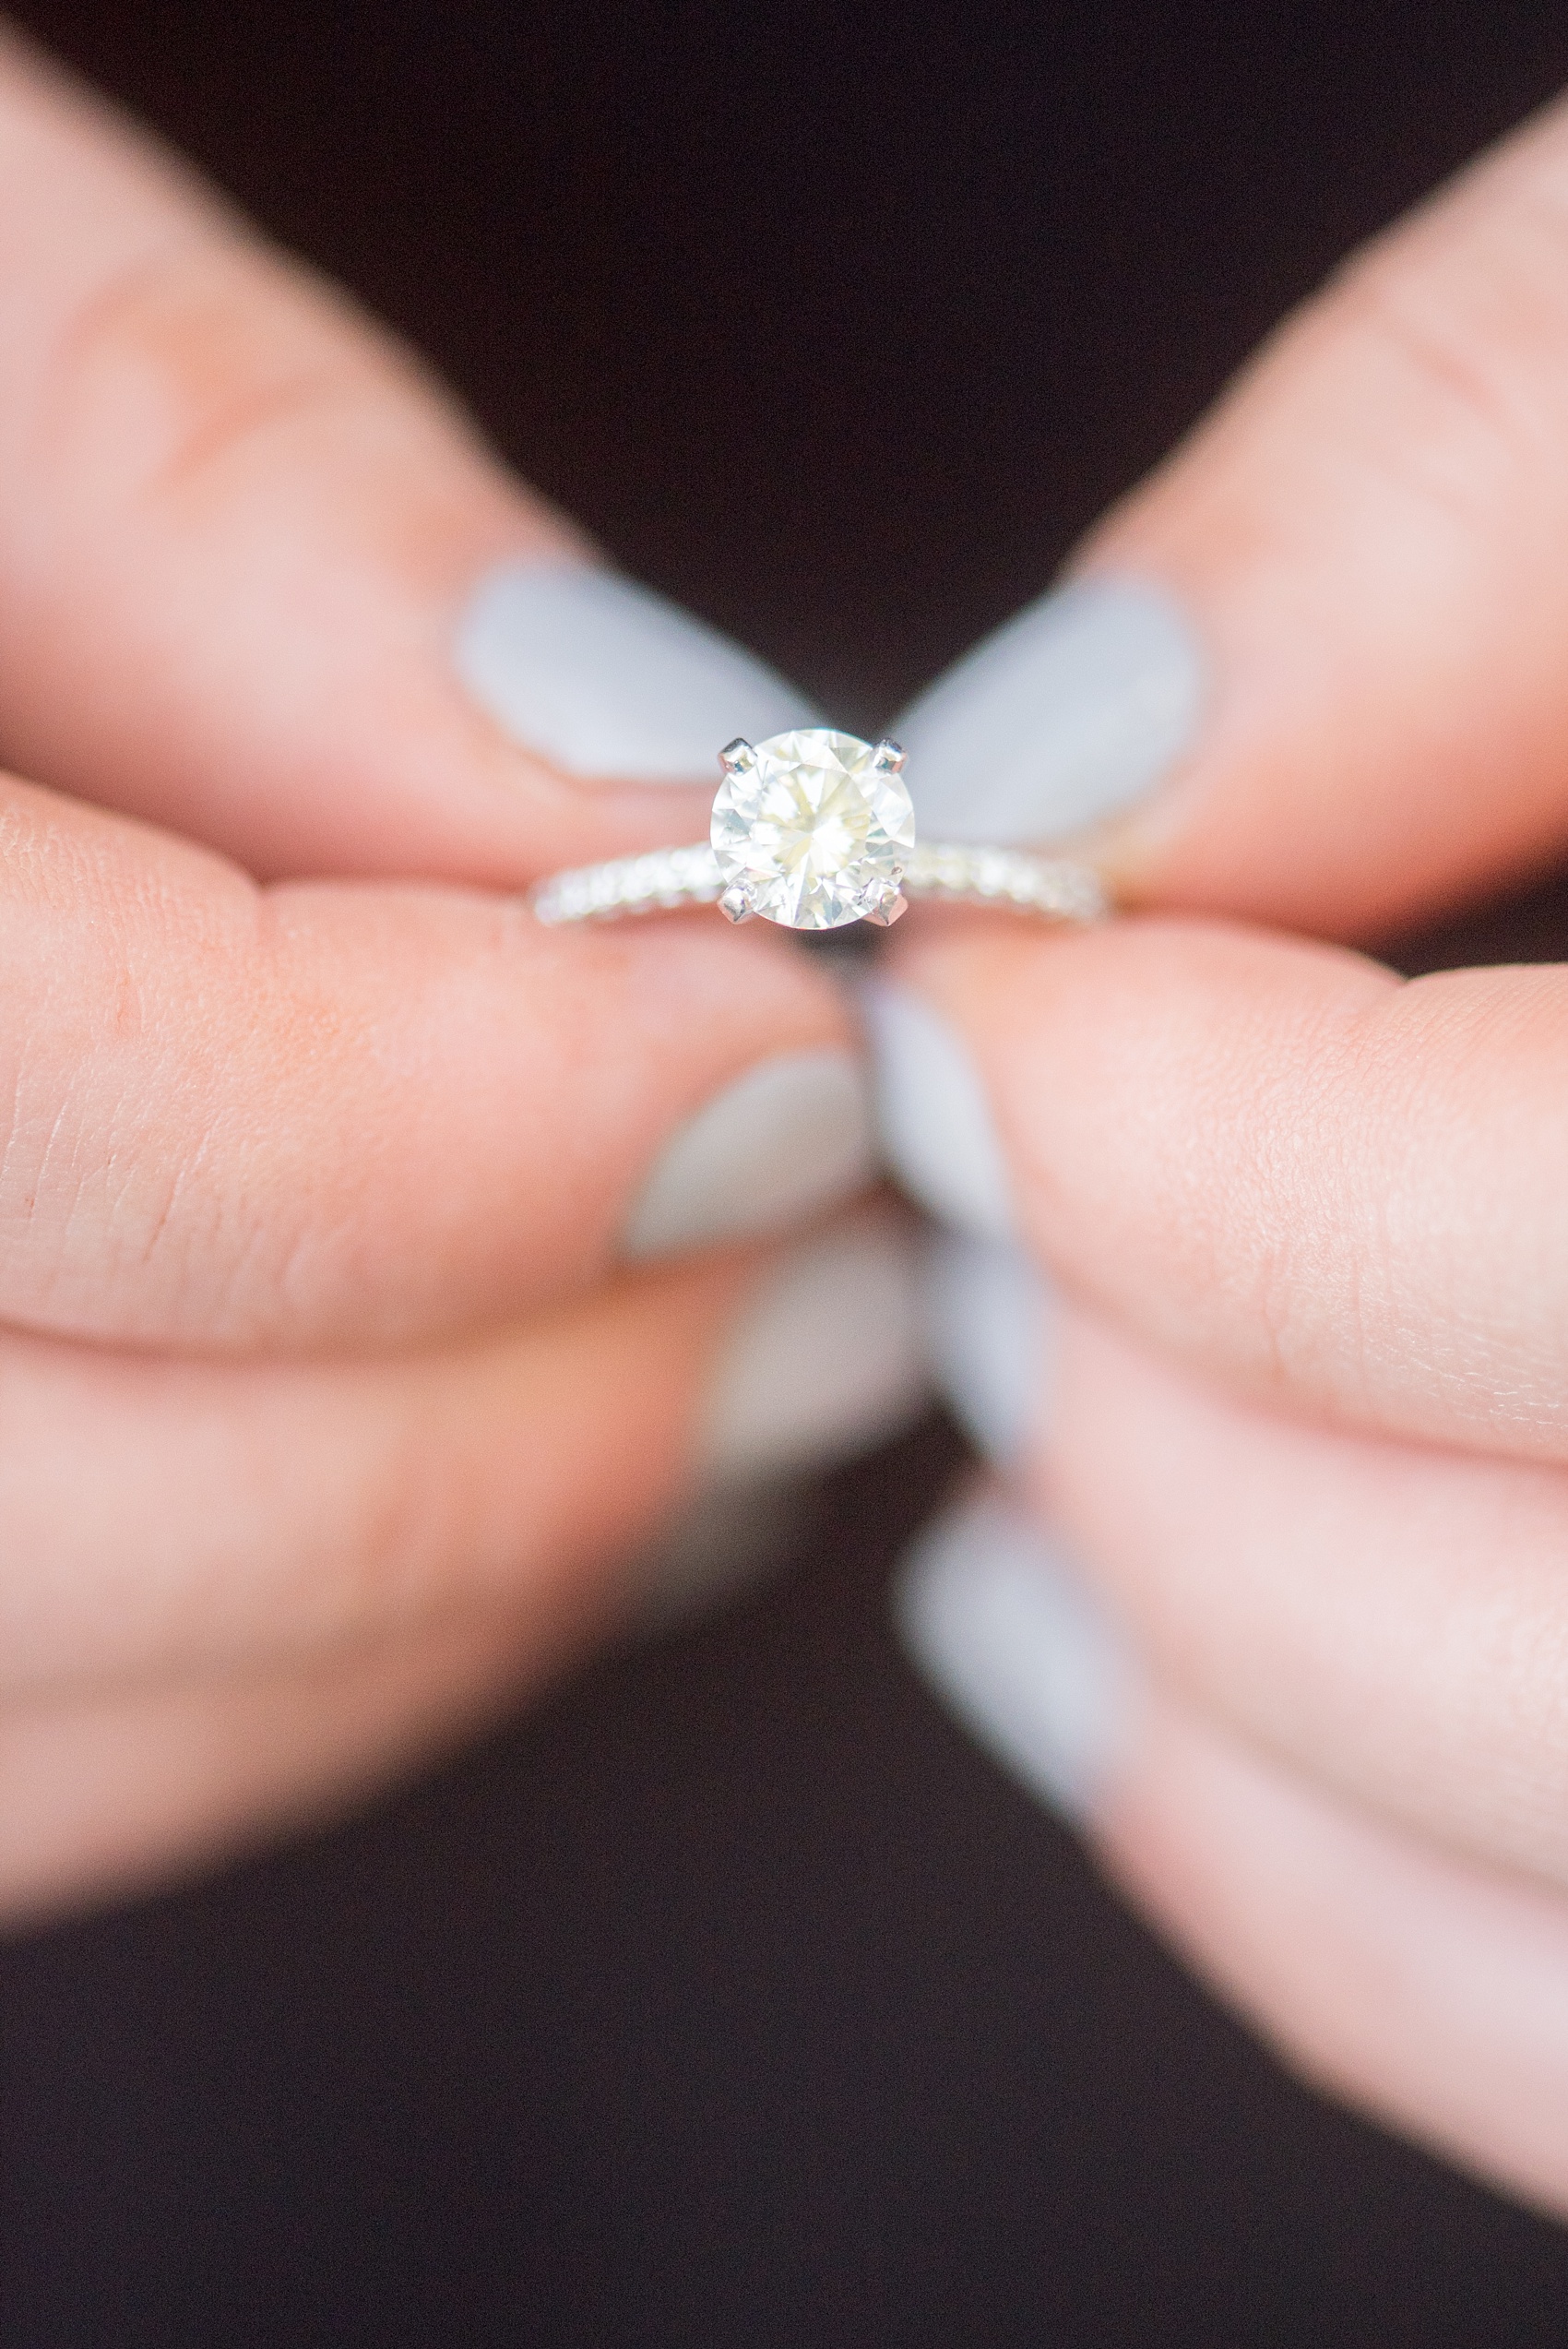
<point x="661" y="878"/>
<point x="1019" y="878"/>
<point x="1015" y="880"/>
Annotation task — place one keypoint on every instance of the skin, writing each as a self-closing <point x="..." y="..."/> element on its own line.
<point x="309" y="1220"/>
<point x="1308" y="1421"/>
<point x="313" y="1147"/>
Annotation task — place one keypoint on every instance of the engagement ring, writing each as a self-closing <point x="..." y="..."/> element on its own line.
<point x="814" y="830"/>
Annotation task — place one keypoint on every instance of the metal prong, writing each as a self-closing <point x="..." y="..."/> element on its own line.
<point x="888" y="757"/>
<point x="735" y="906"/>
<point x="737" y="756"/>
<point x="889" y="911"/>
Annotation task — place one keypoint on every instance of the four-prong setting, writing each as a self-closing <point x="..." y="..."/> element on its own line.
<point x="813" y="829"/>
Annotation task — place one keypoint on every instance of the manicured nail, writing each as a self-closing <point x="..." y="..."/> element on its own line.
<point x="1064" y="717"/>
<point x="606" y="679"/>
<point x="989" y="1318"/>
<point x="827" y="1359"/>
<point x="1009" y="1637"/>
<point x="778" y="1145"/>
<point x="936" y="1124"/>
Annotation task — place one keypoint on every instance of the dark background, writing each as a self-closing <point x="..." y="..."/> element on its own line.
<point x="731" y="1997"/>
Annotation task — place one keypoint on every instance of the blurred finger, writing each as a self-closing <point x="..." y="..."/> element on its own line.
<point x="1423" y="1988"/>
<point x="161" y="1517"/>
<point x="1427" y="1992"/>
<point x="258" y="579"/>
<point x="107" y="1793"/>
<point x="1388" y="1619"/>
<point x="170" y="1517"/>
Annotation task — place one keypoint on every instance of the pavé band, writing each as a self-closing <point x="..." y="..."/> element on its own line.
<point x="672" y="877"/>
<point x="814" y="830"/>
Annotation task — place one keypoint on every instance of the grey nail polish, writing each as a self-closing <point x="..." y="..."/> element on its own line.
<point x="936" y="1124"/>
<point x="988" y="1320"/>
<point x="784" y="1404"/>
<point x="782" y="1143"/>
<point x="1063" y="717"/>
<point x="1015" y="1645"/>
<point x="826" y="1357"/>
<point x="606" y="679"/>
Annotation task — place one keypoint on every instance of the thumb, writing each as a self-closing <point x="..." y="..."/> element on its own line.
<point x="259" y="584"/>
<point x="1313" y="671"/>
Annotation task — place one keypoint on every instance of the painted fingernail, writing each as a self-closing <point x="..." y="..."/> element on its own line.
<point x="936" y="1125"/>
<point x="1063" y="718"/>
<point x="990" y="1319"/>
<point x="606" y="679"/>
<point x="1014" y="1644"/>
<point x="790" y="1138"/>
<point x="827" y="1359"/>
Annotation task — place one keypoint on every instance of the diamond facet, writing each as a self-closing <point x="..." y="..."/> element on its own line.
<point x="816" y="832"/>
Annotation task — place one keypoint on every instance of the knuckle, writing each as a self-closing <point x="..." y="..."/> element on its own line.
<point x="411" y="1541"/>
<point x="178" y="365"/>
<point x="1466" y="383"/>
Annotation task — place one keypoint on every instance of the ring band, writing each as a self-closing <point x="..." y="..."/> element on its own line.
<point x="814" y="830"/>
<point x="666" y="878"/>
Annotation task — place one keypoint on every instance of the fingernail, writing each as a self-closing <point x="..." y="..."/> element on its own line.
<point x="988" y="1320"/>
<point x="1012" y="1643"/>
<point x="1063" y="717"/>
<point x="935" y="1121"/>
<point x="604" y="678"/>
<point x="792" y="1137"/>
<point x="827" y="1359"/>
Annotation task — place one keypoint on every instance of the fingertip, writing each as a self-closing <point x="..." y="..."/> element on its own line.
<point x="789" y="1137"/>
<point x="1004" y="1628"/>
<point x="991" y="1322"/>
<point x="263" y="584"/>
<point x="602" y="678"/>
<point x="1063" y="718"/>
<point x="825" y="1358"/>
<point x="1308" y="672"/>
<point x="936" y="1117"/>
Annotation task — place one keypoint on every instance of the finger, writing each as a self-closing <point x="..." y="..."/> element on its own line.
<point x="1426" y="1992"/>
<point x="329" y="1114"/>
<point x="1269" y="1160"/>
<point x="1423" y="1989"/>
<point x="106" y="1794"/>
<point x="241" y="533"/>
<point x="232" y="1602"/>
<point x="161" y="1517"/>
<point x="1389" y="1620"/>
<point x="1312" y="671"/>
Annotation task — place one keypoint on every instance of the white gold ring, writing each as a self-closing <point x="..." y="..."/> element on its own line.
<point x="814" y="830"/>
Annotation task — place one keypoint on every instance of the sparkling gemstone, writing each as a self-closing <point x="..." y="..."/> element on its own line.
<point x="812" y="831"/>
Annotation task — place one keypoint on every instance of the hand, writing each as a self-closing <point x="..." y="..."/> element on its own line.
<point x="361" y="1293"/>
<point x="1296" y="1400"/>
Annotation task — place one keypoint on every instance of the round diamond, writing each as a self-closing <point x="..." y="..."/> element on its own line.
<point x="812" y="831"/>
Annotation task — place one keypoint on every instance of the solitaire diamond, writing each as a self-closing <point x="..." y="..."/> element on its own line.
<point x="813" y="829"/>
